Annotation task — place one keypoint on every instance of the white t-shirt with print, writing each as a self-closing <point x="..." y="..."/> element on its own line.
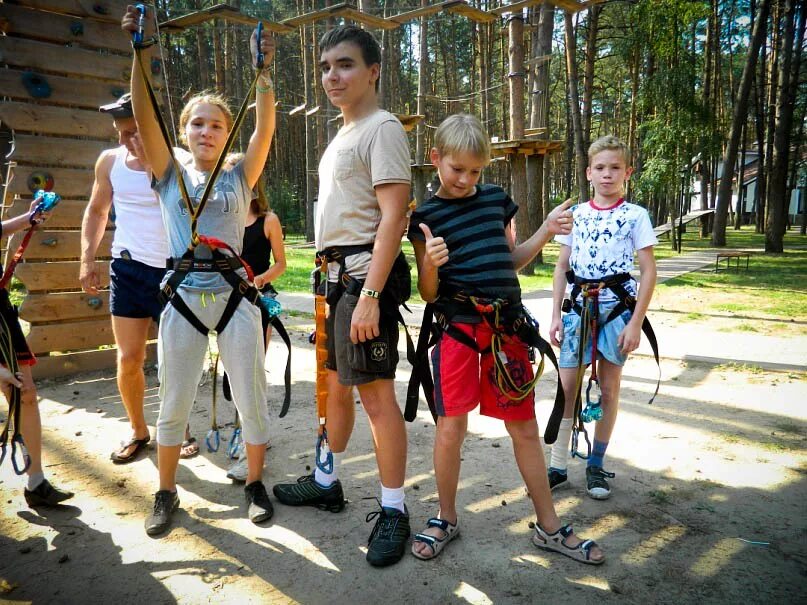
<point x="603" y="241"/>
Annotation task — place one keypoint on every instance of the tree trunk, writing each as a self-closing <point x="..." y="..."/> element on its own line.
<point x="518" y="162"/>
<point x="738" y="215"/>
<point x="310" y="137"/>
<point x="778" y="193"/>
<point x="218" y="56"/>
<point x="420" y="133"/>
<point x="574" y="107"/>
<point x="706" y="153"/>
<point x="588" y="71"/>
<point x="740" y="115"/>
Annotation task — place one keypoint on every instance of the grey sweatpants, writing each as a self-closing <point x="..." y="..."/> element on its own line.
<point x="181" y="353"/>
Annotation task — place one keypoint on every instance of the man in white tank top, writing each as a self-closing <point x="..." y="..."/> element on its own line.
<point x="139" y="252"/>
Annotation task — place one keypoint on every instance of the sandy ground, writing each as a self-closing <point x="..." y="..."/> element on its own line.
<point x="708" y="503"/>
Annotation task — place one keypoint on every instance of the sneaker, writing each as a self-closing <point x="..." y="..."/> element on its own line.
<point x="307" y="492"/>
<point x="46" y="495"/>
<point x="165" y="503"/>
<point x="259" y="506"/>
<point x="597" y="484"/>
<point x="389" y="537"/>
<point x="238" y="471"/>
<point x="557" y="479"/>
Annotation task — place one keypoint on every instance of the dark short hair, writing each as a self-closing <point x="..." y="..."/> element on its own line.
<point x="122" y="108"/>
<point x="368" y="45"/>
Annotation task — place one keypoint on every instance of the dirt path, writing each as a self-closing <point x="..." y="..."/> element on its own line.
<point x="717" y="460"/>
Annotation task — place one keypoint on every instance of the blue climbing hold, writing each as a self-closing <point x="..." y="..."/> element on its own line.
<point x="36" y="85"/>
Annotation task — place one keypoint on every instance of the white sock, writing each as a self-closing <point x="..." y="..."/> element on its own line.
<point x="328" y="479"/>
<point x="560" y="449"/>
<point x="393" y="497"/>
<point x="34" y="480"/>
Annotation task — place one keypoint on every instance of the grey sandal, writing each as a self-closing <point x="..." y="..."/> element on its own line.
<point x="450" y="531"/>
<point x="556" y="542"/>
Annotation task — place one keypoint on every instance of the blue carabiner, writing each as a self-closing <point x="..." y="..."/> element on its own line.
<point x="213" y="440"/>
<point x="235" y="443"/>
<point x="137" y="37"/>
<point x="26" y="458"/>
<point x="259" y="55"/>
<point x="593" y="409"/>
<point x="326" y="466"/>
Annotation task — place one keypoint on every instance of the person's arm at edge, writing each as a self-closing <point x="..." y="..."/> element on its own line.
<point x="273" y="232"/>
<point x="94" y="222"/>
<point x="631" y="336"/>
<point x="558" y="292"/>
<point x="261" y="139"/>
<point x="393" y="200"/>
<point x="428" y="280"/>
<point x="558" y="221"/>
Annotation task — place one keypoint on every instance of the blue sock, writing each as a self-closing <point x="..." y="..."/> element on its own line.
<point x="597" y="453"/>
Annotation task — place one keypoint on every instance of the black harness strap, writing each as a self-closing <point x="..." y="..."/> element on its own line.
<point x="284" y="336"/>
<point x="13" y="424"/>
<point x="514" y="321"/>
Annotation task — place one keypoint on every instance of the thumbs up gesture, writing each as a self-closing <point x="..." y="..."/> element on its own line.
<point x="560" y="220"/>
<point x="436" y="248"/>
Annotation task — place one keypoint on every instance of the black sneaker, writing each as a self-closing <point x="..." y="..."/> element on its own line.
<point x="307" y="492"/>
<point x="389" y="537"/>
<point x="596" y="482"/>
<point x="165" y="503"/>
<point x="46" y="495"/>
<point x="557" y="479"/>
<point x="259" y="507"/>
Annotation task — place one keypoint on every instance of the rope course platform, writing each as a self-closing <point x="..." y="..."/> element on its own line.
<point x="687" y="218"/>
<point x="500" y="149"/>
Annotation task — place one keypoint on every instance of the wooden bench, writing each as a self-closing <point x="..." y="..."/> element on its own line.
<point x="728" y="256"/>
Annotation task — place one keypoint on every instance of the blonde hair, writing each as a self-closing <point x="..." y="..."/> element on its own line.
<point x="205" y="97"/>
<point x="462" y="133"/>
<point x="259" y="202"/>
<point x="609" y="143"/>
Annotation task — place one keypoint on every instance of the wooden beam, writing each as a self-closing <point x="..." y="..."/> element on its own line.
<point x="53" y="151"/>
<point x="64" y="29"/>
<point x="375" y="22"/>
<point x="49" y="277"/>
<point x="409" y="121"/>
<point x="59" y="245"/>
<point x="68" y="306"/>
<point x="71" y="336"/>
<point x="571" y="6"/>
<point x="514" y="6"/>
<point x="30" y="54"/>
<point x="344" y="10"/>
<point x="55" y="366"/>
<point x="69" y="182"/>
<point x="103" y="10"/>
<point x="424" y="11"/>
<point x="91" y="94"/>
<point x="472" y="13"/>
<point x="41" y="119"/>
<point x="67" y="216"/>
<point x="220" y="11"/>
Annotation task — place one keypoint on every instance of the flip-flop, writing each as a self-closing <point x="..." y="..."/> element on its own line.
<point x="140" y="445"/>
<point x="189" y="448"/>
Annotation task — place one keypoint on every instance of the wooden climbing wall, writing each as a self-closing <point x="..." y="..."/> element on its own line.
<point x="77" y="48"/>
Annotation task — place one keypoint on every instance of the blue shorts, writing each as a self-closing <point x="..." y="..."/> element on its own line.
<point x="607" y="338"/>
<point x="134" y="287"/>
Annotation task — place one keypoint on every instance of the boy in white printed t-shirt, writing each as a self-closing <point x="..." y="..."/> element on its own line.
<point x="600" y="249"/>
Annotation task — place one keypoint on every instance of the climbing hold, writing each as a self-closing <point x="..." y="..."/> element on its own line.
<point x="77" y="28"/>
<point x="50" y="242"/>
<point x="117" y="92"/>
<point x="156" y="68"/>
<point x="40" y="180"/>
<point x="94" y="302"/>
<point x="100" y="9"/>
<point x="36" y="85"/>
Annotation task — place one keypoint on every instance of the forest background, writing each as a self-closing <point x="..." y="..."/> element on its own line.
<point x="691" y="85"/>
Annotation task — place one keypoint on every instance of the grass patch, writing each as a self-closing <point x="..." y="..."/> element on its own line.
<point x="660" y="497"/>
<point x="694" y="316"/>
<point x="746" y="368"/>
<point x="744" y="327"/>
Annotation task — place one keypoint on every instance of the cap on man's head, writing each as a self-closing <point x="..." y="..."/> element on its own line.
<point x="122" y="108"/>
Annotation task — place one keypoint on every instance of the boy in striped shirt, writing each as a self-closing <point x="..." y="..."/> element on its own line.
<point x="464" y="246"/>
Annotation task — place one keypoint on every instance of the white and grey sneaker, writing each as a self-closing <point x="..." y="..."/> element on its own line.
<point x="238" y="471"/>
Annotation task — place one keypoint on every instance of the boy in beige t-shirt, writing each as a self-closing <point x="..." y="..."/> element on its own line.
<point x="363" y="199"/>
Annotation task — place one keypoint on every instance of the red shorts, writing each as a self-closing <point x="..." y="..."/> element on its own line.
<point x="464" y="379"/>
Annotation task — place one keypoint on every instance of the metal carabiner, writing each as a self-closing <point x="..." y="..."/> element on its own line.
<point x="593" y="410"/>
<point x="575" y="437"/>
<point x="26" y="458"/>
<point x="213" y="440"/>
<point x="235" y="443"/>
<point x="325" y="466"/>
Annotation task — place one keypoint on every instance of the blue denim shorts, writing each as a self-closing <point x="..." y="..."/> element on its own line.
<point x="134" y="287"/>
<point x="607" y="338"/>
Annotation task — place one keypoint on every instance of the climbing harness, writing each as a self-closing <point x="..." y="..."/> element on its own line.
<point x="507" y="321"/>
<point x="589" y="291"/>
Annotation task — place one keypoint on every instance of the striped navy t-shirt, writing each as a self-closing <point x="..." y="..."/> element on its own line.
<point x="479" y="258"/>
